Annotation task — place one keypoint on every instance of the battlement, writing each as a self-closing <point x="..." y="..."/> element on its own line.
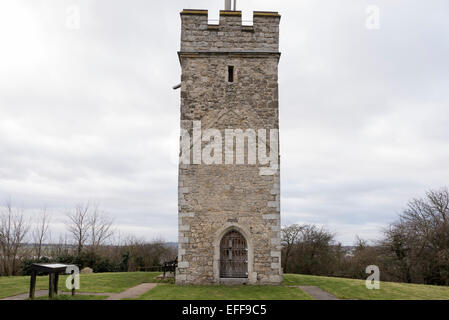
<point x="230" y="35"/>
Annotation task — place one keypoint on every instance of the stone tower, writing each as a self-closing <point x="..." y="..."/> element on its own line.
<point x="229" y="182"/>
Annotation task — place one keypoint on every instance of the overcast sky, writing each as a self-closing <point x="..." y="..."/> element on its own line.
<point x="89" y="113"/>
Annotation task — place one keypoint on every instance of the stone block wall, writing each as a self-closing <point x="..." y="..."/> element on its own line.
<point x="214" y="199"/>
<point x="230" y="35"/>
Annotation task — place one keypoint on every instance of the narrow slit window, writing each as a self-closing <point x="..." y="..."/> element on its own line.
<point x="230" y="74"/>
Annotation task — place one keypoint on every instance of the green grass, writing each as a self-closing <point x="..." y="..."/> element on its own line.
<point x="115" y="282"/>
<point x="77" y="297"/>
<point x="173" y="292"/>
<point x="97" y="282"/>
<point x="118" y="282"/>
<point x="11" y="286"/>
<point x="356" y="289"/>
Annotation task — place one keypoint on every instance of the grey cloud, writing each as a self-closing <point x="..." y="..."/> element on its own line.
<point x="89" y="114"/>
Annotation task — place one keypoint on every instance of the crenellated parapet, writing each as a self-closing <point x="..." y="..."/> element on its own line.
<point x="230" y="35"/>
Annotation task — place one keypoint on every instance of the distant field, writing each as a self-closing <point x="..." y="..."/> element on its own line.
<point x="341" y="288"/>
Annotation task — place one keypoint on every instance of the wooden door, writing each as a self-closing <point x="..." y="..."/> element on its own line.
<point x="233" y="256"/>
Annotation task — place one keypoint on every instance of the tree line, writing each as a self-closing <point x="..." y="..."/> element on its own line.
<point x="91" y="240"/>
<point x="414" y="249"/>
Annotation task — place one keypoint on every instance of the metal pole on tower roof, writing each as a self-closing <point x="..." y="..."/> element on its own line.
<point x="235" y="5"/>
<point x="228" y="5"/>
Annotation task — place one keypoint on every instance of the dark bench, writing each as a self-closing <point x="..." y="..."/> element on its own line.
<point x="170" y="266"/>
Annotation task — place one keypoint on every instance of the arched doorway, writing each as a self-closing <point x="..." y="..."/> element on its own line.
<point x="233" y="256"/>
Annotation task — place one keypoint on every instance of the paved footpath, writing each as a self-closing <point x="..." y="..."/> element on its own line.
<point x="318" y="293"/>
<point x="131" y="293"/>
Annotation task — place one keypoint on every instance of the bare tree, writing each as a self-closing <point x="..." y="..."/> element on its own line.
<point x="290" y="236"/>
<point x="419" y="242"/>
<point x="312" y="250"/>
<point x="101" y="228"/>
<point x="79" y="225"/>
<point x="62" y="248"/>
<point x="13" y="230"/>
<point x="41" y="232"/>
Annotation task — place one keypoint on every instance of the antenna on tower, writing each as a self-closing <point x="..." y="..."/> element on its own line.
<point x="228" y="5"/>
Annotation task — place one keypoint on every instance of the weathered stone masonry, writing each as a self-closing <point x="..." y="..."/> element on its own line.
<point x="214" y="199"/>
